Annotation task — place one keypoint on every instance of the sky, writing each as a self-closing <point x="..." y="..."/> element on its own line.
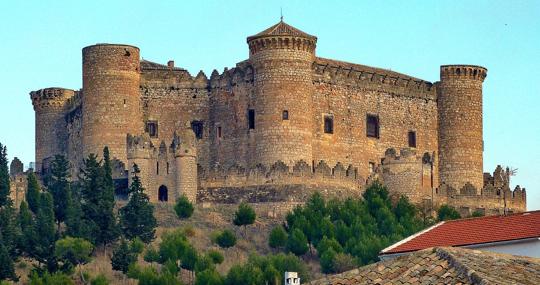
<point x="41" y="42"/>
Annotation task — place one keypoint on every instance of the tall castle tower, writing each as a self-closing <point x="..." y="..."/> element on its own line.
<point x="51" y="134"/>
<point x="282" y="57"/>
<point x="460" y="125"/>
<point x="111" y="100"/>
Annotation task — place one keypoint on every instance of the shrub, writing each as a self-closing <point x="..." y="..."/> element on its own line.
<point x="100" y="280"/>
<point x="226" y="239"/>
<point x="209" y="277"/>
<point x="183" y="208"/>
<point x="216" y="256"/>
<point x="297" y="242"/>
<point x="245" y="215"/>
<point x="122" y="257"/>
<point x="151" y="255"/>
<point x="278" y="237"/>
<point x="446" y="213"/>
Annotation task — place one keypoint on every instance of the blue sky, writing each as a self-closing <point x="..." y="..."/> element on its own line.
<point x="41" y="44"/>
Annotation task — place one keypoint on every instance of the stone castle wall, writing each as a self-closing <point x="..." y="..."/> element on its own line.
<point x="266" y="117"/>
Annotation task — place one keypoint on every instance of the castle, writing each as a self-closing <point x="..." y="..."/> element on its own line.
<point x="276" y="127"/>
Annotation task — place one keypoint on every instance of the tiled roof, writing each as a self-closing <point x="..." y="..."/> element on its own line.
<point x="282" y="29"/>
<point x="443" y="266"/>
<point x="149" y="65"/>
<point x="472" y="231"/>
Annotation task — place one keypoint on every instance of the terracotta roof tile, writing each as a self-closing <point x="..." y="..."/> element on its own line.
<point x="472" y="231"/>
<point x="281" y="29"/>
<point x="443" y="266"/>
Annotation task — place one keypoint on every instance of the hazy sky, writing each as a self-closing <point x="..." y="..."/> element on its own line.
<point x="41" y="44"/>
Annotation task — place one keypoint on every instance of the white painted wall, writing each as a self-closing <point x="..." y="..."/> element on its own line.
<point x="529" y="248"/>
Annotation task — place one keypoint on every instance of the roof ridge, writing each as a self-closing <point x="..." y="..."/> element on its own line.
<point x="493" y="216"/>
<point x="411" y="237"/>
<point x="473" y="276"/>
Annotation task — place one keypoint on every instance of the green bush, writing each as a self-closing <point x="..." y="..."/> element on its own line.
<point x="100" y="280"/>
<point x="183" y="207"/>
<point x="297" y="242"/>
<point x="446" y="213"/>
<point x="245" y="215"/>
<point x="57" y="278"/>
<point x="216" y="256"/>
<point x="209" y="277"/>
<point x="226" y="239"/>
<point x="278" y="237"/>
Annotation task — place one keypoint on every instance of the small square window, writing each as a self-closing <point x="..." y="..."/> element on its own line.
<point x="372" y="126"/>
<point x="152" y="128"/>
<point x="328" y="124"/>
<point x="251" y="119"/>
<point x="285" y="115"/>
<point x="412" y="139"/>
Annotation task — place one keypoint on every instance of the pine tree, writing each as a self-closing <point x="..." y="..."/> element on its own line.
<point x="123" y="257"/>
<point x="4" y="177"/>
<point x="27" y="241"/>
<point x="9" y="228"/>
<point x="32" y="192"/>
<point x="297" y="242"/>
<point x="7" y="270"/>
<point x="183" y="207"/>
<point x="45" y="232"/>
<point x="278" y="237"/>
<point x="74" y="215"/>
<point x="59" y="187"/>
<point x="137" y="217"/>
<point x="244" y="216"/>
<point x="99" y="222"/>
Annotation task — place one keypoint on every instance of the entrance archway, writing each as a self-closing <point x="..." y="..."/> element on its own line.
<point x="163" y="193"/>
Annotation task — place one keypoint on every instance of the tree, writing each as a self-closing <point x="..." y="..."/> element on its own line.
<point x="209" y="277"/>
<point x="343" y="262"/>
<point x="477" y="213"/>
<point x="278" y="237"/>
<point x="4" y="177"/>
<point x="123" y="256"/>
<point x="47" y="278"/>
<point x="325" y="244"/>
<point x="59" y="187"/>
<point x="244" y="216"/>
<point x="137" y="217"/>
<point x="7" y="270"/>
<point x="28" y="231"/>
<point x="327" y="261"/>
<point x="226" y="239"/>
<point x="73" y="251"/>
<point x="75" y="223"/>
<point x="297" y="242"/>
<point x="97" y="203"/>
<point x="183" y="208"/>
<point x="45" y="232"/>
<point x="446" y="212"/>
<point x="32" y="192"/>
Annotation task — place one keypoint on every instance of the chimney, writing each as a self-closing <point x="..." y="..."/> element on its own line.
<point x="291" y="278"/>
<point x="170" y="64"/>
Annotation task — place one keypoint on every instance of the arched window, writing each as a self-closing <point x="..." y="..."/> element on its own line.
<point x="163" y="193"/>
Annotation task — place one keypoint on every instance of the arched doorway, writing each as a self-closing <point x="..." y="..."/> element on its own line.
<point x="163" y="193"/>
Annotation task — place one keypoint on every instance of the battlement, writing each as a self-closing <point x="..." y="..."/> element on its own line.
<point x="474" y="72"/>
<point x="361" y="76"/>
<point x="241" y="74"/>
<point x="139" y="146"/>
<point x="53" y="97"/>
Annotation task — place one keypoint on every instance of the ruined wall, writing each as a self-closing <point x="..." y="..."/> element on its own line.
<point x="350" y="92"/>
<point x="18" y="185"/>
<point x="461" y="142"/>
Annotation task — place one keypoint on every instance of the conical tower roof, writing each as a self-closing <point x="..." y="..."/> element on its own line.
<point x="281" y="29"/>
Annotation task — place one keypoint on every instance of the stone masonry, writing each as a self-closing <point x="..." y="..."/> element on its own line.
<point x="282" y="121"/>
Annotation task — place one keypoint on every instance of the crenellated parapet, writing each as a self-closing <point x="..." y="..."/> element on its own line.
<point x="51" y="98"/>
<point x="370" y="78"/>
<point x="139" y="146"/>
<point x="473" y="72"/>
<point x="279" y="173"/>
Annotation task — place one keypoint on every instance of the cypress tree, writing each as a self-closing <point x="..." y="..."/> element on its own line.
<point x="7" y="270"/>
<point x="137" y="217"/>
<point x="97" y="203"/>
<point x="27" y="241"/>
<point x="75" y="225"/>
<point x="4" y="177"/>
<point x="108" y="225"/>
<point x="32" y="192"/>
<point x="45" y="232"/>
<point x="59" y="187"/>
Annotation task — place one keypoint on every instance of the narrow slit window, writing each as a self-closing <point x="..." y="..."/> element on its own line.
<point x="251" y="119"/>
<point x="328" y="124"/>
<point x="285" y="115"/>
<point x="152" y="129"/>
<point x="157" y="168"/>
<point x="167" y="168"/>
<point x="219" y="132"/>
<point x="412" y="139"/>
<point x="372" y="126"/>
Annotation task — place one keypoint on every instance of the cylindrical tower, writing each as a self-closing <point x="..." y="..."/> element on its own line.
<point x="185" y="154"/>
<point x="460" y="125"/>
<point x="51" y="133"/>
<point x="282" y="57"/>
<point x="111" y="101"/>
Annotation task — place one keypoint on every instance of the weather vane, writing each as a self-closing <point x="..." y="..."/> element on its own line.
<point x="281" y="13"/>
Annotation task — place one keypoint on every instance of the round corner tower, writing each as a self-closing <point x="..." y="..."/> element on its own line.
<point x="111" y="101"/>
<point x="282" y="58"/>
<point x="460" y="125"/>
<point x="51" y="134"/>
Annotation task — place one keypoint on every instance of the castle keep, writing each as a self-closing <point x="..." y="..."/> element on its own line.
<point x="276" y="126"/>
